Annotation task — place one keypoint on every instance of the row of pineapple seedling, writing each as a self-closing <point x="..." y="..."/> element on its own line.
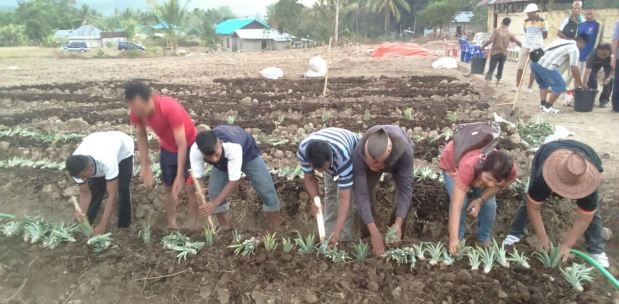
<point x="36" y="230"/>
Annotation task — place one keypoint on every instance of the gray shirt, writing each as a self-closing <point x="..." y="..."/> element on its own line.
<point x="399" y="164"/>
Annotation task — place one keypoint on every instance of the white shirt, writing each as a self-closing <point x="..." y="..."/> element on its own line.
<point x="107" y="149"/>
<point x="232" y="152"/>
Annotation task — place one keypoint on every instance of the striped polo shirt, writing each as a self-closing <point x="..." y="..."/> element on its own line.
<point x="342" y="143"/>
<point x="559" y="54"/>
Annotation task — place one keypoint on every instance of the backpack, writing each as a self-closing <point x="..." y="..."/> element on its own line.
<point x="477" y="135"/>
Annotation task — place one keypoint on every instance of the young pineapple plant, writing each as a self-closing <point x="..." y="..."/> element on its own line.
<point x="322" y="248"/>
<point x="392" y="235"/>
<point x="550" y="258"/>
<point x="246" y="247"/>
<point x="488" y="256"/>
<point x="337" y="256"/>
<point x="146" y="232"/>
<point x="237" y="237"/>
<point x="463" y="250"/>
<point x="436" y="252"/>
<point x="287" y="245"/>
<point x="474" y="259"/>
<point x="519" y="259"/>
<point x="408" y="114"/>
<point x="420" y="251"/>
<point x="305" y="245"/>
<point x="210" y="236"/>
<point x="401" y="256"/>
<point x="501" y="254"/>
<point x="577" y="275"/>
<point x="447" y="259"/>
<point x="181" y="244"/>
<point x="12" y="228"/>
<point x="270" y="241"/>
<point x="35" y="229"/>
<point x="361" y="250"/>
<point x="100" y="242"/>
<point x="60" y="233"/>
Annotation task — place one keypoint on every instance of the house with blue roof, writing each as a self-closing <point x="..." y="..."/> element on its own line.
<point x="259" y="38"/>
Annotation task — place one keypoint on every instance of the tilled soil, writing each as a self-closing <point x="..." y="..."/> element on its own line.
<point x="285" y="109"/>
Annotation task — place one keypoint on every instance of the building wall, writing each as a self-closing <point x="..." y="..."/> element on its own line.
<point x="606" y="17"/>
<point x="250" y="45"/>
<point x="280" y="45"/>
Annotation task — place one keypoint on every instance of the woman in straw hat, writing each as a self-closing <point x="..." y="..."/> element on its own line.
<point x="571" y="170"/>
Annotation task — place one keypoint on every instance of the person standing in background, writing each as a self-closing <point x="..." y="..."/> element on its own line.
<point x="535" y="31"/>
<point x="571" y="23"/>
<point x="614" y="58"/>
<point x="591" y="28"/>
<point x="500" y="42"/>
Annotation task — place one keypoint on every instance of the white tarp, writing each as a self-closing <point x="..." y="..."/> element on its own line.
<point x="318" y="67"/>
<point x="272" y="73"/>
<point x="445" y="63"/>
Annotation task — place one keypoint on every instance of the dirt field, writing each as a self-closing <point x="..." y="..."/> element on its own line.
<point x="79" y="96"/>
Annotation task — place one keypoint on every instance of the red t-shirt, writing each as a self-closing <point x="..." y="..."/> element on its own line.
<point x="168" y="115"/>
<point x="465" y="172"/>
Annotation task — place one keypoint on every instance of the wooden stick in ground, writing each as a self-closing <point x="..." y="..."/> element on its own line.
<point x="200" y="196"/>
<point x="324" y="89"/>
<point x="83" y="219"/>
<point x="524" y="71"/>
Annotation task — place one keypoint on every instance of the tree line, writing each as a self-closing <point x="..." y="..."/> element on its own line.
<point x="34" y="22"/>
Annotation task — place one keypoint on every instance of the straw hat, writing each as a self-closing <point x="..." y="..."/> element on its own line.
<point x="570" y="175"/>
<point x="532" y="7"/>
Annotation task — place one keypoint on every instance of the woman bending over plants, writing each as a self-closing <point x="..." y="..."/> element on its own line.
<point x="472" y="183"/>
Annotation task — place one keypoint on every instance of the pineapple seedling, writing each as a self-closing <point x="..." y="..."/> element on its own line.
<point x="287" y="245"/>
<point x="246" y="247"/>
<point x="436" y="252"/>
<point x="146" y="232"/>
<point x="305" y="245"/>
<point x="550" y="258"/>
<point x="408" y="114"/>
<point x="420" y="251"/>
<point x="100" y="242"/>
<point x="474" y="259"/>
<point x="361" y="250"/>
<point x="181" y="244"/>
<point x="518" y="258"/>
<point x="270" y="241"/>
<point x="12" y="228"/>
<point x="488" y="255"/>
<point x="210" y="236"/>
<point x="501" y="254"/>
<point x="337" y="256"/>
<point x="59" y="234"/>
<point x="35" y="229"/>
<point x="392" y="235"/>
<point x="576" y="275"/>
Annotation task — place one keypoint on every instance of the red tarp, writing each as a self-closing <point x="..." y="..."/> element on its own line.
<point x="400" y="49"/>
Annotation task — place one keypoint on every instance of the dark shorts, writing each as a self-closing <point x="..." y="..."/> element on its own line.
<point x="169" y="165"/>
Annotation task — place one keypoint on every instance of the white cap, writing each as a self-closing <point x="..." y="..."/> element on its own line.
<point x="532" y="7"/>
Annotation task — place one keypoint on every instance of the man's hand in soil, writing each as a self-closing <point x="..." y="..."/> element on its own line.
<point x="398" y="228"/>
<point x="564" y="253"/>
<point x="147" y="177"/>
<point x="99" y="229"/>
<point x="474" y="207"/>
<point x="335" y="238"/>
<point x="453" y="246"/>
<point x="207" y="209"/>
<point x="79" y="216"/>
<point x="179" y="182"/>
<point x="543" y="242"/>
<point x="378" y="242"/>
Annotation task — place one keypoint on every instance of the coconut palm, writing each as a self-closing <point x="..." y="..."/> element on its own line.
<point x="390" y="8"/>
<point x="171" y="15"/>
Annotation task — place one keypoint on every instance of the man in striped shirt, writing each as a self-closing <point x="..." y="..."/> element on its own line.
<point x="561" y="53"/>
<point x="329" y="151"/>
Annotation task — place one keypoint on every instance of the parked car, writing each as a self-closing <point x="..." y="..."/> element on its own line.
<point x="126" y="45"/>
<point x="76" y="47"/>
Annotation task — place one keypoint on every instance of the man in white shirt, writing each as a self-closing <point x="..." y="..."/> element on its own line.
<point x="231" y="151"/>
<point x="535" y="31"/>
<point x="102" y="163"/>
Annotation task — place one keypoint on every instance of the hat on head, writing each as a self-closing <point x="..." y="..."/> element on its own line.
<point x="532" y="7"/>
<point x="570" y="175"/>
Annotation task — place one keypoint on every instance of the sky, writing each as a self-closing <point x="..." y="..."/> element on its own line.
<point x="243" y="8"/>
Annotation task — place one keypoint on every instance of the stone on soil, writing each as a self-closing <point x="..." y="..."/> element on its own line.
<point x="502" y="294"/>
<point x="607" y="233"/>
<point x="223" y="295"/>
<point x="246" y="100"/>
<point x="310" y="297"/>
<point x="4" y="145"/>
<point x="373" y="286"/>
<point x="279" y="154"/>
<point x="262" y="298"/>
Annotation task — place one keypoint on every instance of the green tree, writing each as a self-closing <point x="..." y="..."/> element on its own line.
<point x="13" y="35"/>
<point x="439" y="13"/>
<point x="285" y="15"/>
<point x="42" y="17"/>
<point x="391" y="8"/>
<point x="87" y="15"/>
<point x="171" y="14"/>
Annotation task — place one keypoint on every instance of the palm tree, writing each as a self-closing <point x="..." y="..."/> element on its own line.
<point x="390" y="8"/>
<point x="87" y="14"/>
<point x="171" y="14"/>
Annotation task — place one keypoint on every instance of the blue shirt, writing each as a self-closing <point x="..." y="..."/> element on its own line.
<point x="591" y="29"/>
<point x="342" y="143"/>
<point x="616" y="37"/>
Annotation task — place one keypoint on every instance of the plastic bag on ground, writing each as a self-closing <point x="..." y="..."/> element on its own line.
<point x="561" y="132"/>
<point x="445" y="63"/>
<point x="272" y="73"/>
<point x="318" y="67"/>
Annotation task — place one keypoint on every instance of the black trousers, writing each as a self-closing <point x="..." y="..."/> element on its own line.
<point x="496" y="60"/>
<point x="593" y="84"/>
<point x="97" y="187"/>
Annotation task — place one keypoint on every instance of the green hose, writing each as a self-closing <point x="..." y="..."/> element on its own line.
<point x="6" y="215"/>
<point x="599" y="267"/>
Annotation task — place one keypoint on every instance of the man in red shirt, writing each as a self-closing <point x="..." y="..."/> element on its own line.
<point x="176" y="131"/>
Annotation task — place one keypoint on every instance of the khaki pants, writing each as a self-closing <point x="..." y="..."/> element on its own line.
<point x="524" y="54"/>
<point x="331" y="206"/>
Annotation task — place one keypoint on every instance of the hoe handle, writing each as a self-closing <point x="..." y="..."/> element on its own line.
<point x="200" y="196"/>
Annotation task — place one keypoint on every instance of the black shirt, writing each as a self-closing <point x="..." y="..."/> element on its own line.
<point x="595" y="64"/>
<point x="539" y="190"/>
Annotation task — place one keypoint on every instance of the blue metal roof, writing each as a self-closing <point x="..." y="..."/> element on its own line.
<point x="228" y="27"/>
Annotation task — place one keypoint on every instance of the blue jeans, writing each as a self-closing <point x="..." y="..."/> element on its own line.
<point x="260" y="178"/>
<point x="593" y="235"/>
<point x="486" y="216"/>
<point x="547" y="78"/>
